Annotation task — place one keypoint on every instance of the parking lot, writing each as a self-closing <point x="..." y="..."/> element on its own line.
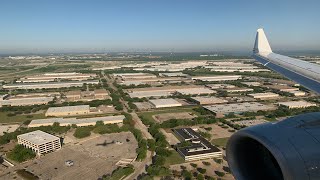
<point x="91" y="158"/>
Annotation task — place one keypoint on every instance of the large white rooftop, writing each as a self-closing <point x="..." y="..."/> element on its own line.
<point x="218" y="78"/>
<point x="297" y="104"/>
<point x="141" y="94"/>
<point x="68" y="109"/>
<point x="267" y="94"/>
<point x="196" y="91"/>
<point x="238" y="107"/>
<point x="70" y="121"/>
<point x="38" y="137"/>
<point x="162" y="102"/>
<point x="209" y="100"/>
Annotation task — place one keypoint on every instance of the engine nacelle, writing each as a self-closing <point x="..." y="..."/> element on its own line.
<point x="289" y="150"/>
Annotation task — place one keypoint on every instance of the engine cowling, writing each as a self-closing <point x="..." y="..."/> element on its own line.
<point x="285" y="150"/>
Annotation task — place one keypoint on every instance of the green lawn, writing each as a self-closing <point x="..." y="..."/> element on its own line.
<point x="18" y="118"/>
<point x="221" y="142"/>
<point x="174" y="158"/>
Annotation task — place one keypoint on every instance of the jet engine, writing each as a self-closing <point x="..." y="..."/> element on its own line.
<point x="285" y="150"/>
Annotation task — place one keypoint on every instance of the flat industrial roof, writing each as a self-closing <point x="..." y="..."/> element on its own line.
<point x="264" y="94"/>
<point x="200" y="90"/>
<point x="174" y="74"/>
<point x="149" y="94"/>
<point x="51" y="83"/>
<point x="68" y="109"/>
<point x="38" y="137"/>
<point x="159" y="102"/>
<point x="75" y="120"/>
<point x="209" y="99"/>
<point x="297" y="103"/>
<point x="238" y="107"/>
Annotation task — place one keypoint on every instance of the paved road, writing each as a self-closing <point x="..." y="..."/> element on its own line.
<point x="138" y="166"/>
<point x="139" y="125"/>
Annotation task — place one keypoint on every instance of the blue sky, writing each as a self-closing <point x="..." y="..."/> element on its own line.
<point x="162" y="25"/>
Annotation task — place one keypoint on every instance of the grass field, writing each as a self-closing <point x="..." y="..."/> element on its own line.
<point x="221" y="142"/>
<point x="148" y="115"/>
<point x="18" y="118"/>
<point x="174" y="158"/>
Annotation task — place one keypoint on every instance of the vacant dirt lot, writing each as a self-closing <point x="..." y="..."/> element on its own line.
<point x="8" y="128"/>
<point x="143" y="106"/>
<point x="92" y="158"/>
<point x="167" y="116"/>
<point x="172" y="140"/>
<point x="216" y="131"/>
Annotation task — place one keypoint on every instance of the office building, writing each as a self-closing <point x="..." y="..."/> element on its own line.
<point x="199" y="147"/>
<point x="40" y="142"/>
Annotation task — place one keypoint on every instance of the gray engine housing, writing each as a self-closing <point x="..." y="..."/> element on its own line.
<point x="289" y="150"/>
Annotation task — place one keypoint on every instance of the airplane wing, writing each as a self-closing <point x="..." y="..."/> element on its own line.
<point x="305" y="73"/>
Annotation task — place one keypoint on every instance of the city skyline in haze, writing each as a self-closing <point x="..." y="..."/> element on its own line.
<point x="170" y="25"/>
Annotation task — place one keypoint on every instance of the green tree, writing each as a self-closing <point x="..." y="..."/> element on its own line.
<point x="82" y="132"/>
<point x="21" y="154"/>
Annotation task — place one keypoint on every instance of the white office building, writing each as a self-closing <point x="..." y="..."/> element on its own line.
<point x="40" y="142"/>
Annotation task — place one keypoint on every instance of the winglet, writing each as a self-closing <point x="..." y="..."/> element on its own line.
<point x="261" y="44"/>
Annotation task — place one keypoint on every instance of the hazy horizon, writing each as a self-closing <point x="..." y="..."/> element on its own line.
<point x="164" y="26"/>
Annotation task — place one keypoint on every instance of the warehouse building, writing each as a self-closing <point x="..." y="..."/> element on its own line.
<point x="98" y="94"/>
<point x="199" y="147"/>
<point x="68" y="110"/>
<point x="239" y="70"/>
<point x="297" y="93"/>
<point x="177" y="74"/>
<point x="264" y="96"/>
<point x="157" y="91"/>
<point x="251" y="83"/>
<point x="134" y="75"/>
<point x="220" y="86"/>
<point x="73" y="95"/>
<point x="208" y="100"/>
<point x="237" y="90"/>
<point x="79" y="122"/>
<point x="101" y="94"/>
<point x="195" y="91"/>
<point x="297" y="104"/>
<point x="49" y="85"/>
<point x="283" y="88"/>
<point x="218" y="78"/>
<point x="47" y="77"/>
<point x="162" y="103"/>
<point x="149" y="94"/>
<point x="155" y="81"/>
<point x="40" y="142"/>
<point x="25" y="101"/>
<point x="221" y="110"/>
